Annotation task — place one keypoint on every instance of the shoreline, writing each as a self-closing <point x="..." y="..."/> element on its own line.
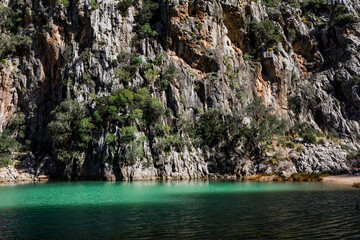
<point x="342" y="179"/>
<point x="346" y="180"/>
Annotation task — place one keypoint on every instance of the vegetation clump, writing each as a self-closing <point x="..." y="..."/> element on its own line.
<point x="344" y="19"/>
<point x="314" y="6"/>
<point x="123" y="6"/>
<point x="306" y="177"/>
<point x="167" y="76"/>
<point x="294" y="103"/>
<point x="293" y="3"/>
<point x="144" y="17"/>
<point x="13" y="39"/>
<point x="265" y="31"/>
<point x="214" y="127"/>
<point x="8" y="147"/>
<point x="70" y="130"/>
<point x="305" y="131"/>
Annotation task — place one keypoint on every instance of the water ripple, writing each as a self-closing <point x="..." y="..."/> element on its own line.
<point x="183" y="210"/>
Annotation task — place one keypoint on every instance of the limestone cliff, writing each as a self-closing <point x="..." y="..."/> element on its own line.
<point x="192" y="62"/>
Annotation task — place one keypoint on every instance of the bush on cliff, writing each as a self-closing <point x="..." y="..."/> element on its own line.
<point x="12" y="36"/>
<point x="307" y="132"/>
<point x="214" y="127"/>
<point x="264" y="125"/>
<point x="314" y="5"/>
<point x="123" y="6"/>
<point x="168" y="76"/>
<point x="8" y="146"/>
<point x="146" y="13"/>
<point x="69" y="124"/>
<point x="344" y="19"/>
<point x="265" y="31"/>
<point x="211" y="127"/>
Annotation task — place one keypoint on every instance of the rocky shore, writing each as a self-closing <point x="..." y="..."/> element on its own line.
<point x="312" y="160"/>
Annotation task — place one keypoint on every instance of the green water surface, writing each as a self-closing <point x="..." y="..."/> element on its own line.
<point x="178" y="210"/>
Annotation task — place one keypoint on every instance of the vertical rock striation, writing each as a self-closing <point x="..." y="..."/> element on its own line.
<point x="303" y="62"/>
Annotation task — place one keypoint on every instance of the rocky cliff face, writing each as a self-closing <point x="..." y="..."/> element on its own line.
<point x="65" y="66"/>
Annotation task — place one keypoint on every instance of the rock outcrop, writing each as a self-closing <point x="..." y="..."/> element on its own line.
<point x="302" y="59"/>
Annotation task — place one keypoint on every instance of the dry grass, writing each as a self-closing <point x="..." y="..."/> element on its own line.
<point x="278" y="179"/>
<point x="256" y="177"/>
<point x="260" y="177"/>
<point x="306" y="177"/>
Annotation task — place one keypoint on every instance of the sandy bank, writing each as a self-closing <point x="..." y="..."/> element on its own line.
<point x="342" y="179"/>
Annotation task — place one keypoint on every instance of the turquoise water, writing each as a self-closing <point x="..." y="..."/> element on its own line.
<point x="178" y="210"/>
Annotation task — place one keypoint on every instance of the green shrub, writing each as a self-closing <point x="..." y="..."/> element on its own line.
<point x="333" y="134"/>
<point x="66" y="3"/>
<point x="308" y="96"/>
<point x="18" y="125"/>
<point x="123" y="57"/>
<point x="8" y="146"/>
<point x="356" y="79"/>
<point x="137" y="61"/>
<point x="248" y="57"/>
<point x="86" y="77"/>
<point x="10" y="18"/>
<point x="258" y="135"/>
<point x="257" y="110"/>
<point x="68" y="157"/>
<point x="344" y="19"/>
<point x="123" y="6"/>
<point x="353" y="155"/>
<point x="153" y="110"/>
<point x="94" y="4"/>
<point x="146" y="12"/>
<point x="85" y="129"/>
<point x="85" y="55"/>
<point x="147" y="31"/>
<point x="314" y="5"/>
<point x="67" y="55"/>
<point x="172" y="142"/>
<point x="211" y="127"/>
<point x="293" y="3"/>
<point x="168" y="76"/>
<point x="151" y="75"/>
<point x="159" y="59"/>
<point x="14" y="43"/>
<point x="136" y="114"/>
<point x="64" y="129"/>
<point x="294" y="103"/>
<point x="110" y="139"/>
<point x="309" y="138"/>
<point x="291" y="33"/>
<point x="161" y="129"/>
<point x="128" y="134"/>
<point x="13" y="37"/>
<point x="123" y="75"/>
<point x="127" y="105"/>
<point x="271" y="3"/>
<point x="303" y="129"/>
<point x="265" y="31"/>
<point x="141" y="97"/>
<point x="135" y="150"/>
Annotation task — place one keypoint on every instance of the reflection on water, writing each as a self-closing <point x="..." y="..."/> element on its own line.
<point x="168" y="210"/>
